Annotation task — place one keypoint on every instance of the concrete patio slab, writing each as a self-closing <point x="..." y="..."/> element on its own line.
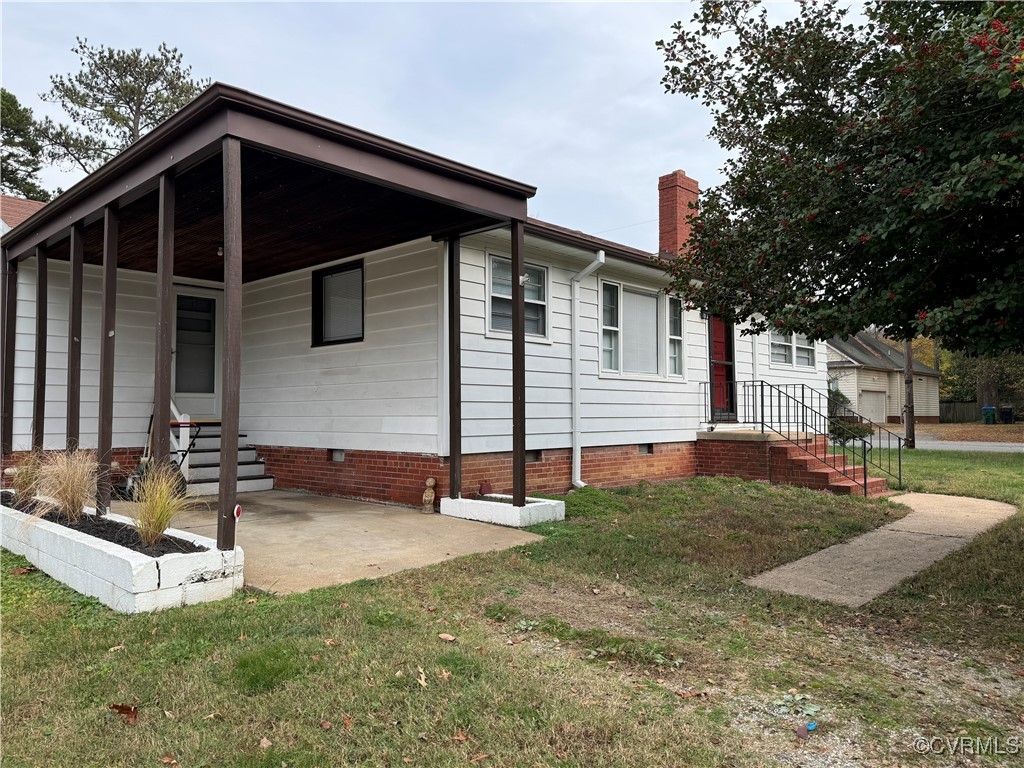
<point x="294" y="542"/>
<point x="860" y="570"/>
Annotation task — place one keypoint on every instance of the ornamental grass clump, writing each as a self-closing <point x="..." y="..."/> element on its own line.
<point x="159" y="499"/>
<point x="25" y="479"/>
<point x="67" y="483"/>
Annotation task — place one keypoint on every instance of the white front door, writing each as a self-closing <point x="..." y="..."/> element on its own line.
<point x="197" y="352"/>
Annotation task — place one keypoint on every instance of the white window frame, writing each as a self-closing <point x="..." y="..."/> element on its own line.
<point x="661" y="320"/>
<point x="490" y="331"/>
<point x="681" y="338"/>
<point x="791" y="342"/>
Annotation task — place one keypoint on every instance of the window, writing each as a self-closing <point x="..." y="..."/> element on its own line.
<point x="629" y="330"/>
<point x="675" y="337"/>
<point x="789" y="347"/>
<point x="535" y="297"/>
<point x="338" y="304"/>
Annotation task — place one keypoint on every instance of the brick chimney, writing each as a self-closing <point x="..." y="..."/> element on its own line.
<point x="676" y="191"/>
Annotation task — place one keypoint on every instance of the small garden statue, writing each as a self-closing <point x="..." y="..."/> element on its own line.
<point x="428" y="497"/>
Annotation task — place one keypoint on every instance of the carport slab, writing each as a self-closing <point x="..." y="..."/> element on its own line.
<point x="294" y="542"/>
<point x="863" y="568"/>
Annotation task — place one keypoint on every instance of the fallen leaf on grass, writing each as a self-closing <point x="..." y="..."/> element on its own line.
<point x="325" y="724"/>
<point x="115" y="649"/>
<point x="444" y="674"/>
<point x="802" y="732"/>
<point x="478" y="758"/>
<point x="446" y="637"/>
<point x="422" y="679"/>
<point x="348" y="723"/>
<point x="460" y="735"/>
<point x="691" y="694"/>
<point x="22" y="570"/>
<point x="169" y="715"/>
<point x="330" y="641"/>
<point x="130" y="714"/>
<point x="214" y="716"/>
<point x="406" y="759"/>
<point x="168" y="760"/>
<point x="266" y="743"/>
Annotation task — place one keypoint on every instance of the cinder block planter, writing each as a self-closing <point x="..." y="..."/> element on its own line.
<point x="127" y="581"/>
<point x="498" y="509"/>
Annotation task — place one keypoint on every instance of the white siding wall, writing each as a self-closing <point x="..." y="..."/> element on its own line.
<point x="133" y="364"/>
<point x="615" y="410"/>
<point x="926" y="395"/>
<point x="377" y="394"/>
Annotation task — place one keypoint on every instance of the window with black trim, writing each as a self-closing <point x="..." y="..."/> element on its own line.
<point x="534" y="293"/>
<point x="338" y="304"/>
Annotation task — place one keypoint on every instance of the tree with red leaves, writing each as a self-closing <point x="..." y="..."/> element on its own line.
<point x="876" y="171"/>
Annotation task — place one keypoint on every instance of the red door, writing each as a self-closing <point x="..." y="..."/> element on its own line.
<point x="723" y="378"/>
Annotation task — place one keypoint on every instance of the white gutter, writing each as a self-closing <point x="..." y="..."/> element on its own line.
<point x="577" y="449"/>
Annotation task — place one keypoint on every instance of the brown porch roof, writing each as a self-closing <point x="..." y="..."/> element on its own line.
<point x="313" y="190"/>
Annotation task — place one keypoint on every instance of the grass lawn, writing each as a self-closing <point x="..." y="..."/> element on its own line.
<point x="625" y="638"/>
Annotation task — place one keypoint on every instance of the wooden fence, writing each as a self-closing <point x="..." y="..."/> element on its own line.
<point x="959" y="413"/>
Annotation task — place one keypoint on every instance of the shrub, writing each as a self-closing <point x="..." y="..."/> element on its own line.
<point x="159" y="498"/>
<point x="67" y="482"/>
<point x="844" y="431"/>
<point x="25" y="480"/>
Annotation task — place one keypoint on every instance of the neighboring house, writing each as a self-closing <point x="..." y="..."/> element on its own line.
<point x="870" y="373"/>
<point x="14" y="210"/>
<point x="361" y="261"/>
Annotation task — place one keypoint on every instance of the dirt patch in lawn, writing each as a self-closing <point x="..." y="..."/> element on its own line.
<point x="611" y="607"/>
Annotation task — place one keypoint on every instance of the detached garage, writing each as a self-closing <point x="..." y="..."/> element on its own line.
<point x="869" y="371"/>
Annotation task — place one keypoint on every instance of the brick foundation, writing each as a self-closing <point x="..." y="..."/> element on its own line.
<point x="400" y="477"/>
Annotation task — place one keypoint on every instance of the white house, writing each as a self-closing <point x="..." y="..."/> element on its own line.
<point x="366" y="339"/>
<point x="870" y="373"/>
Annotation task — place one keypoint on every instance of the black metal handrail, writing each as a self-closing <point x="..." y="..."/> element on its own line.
<point x="802" y="415"/>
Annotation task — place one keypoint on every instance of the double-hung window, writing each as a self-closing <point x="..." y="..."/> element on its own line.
<point x="629" y="330"/>
<point x="338" y="304"/>
<point x="675" y="336"/>
<point x="787" y="348"/>
<point x="535" y="297"/>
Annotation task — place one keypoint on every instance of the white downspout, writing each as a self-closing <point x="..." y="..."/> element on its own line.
<point x="577" y="449"/>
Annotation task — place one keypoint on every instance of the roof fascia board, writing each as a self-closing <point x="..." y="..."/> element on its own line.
<point x="244" y="101"/>
<point x="296" y="143"/>
<point x="589" y="244"/>
<point x="126" y="176"/>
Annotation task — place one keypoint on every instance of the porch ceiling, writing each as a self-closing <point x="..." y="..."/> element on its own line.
<point x="294" y="215"/>
<point x="313" y="190"/>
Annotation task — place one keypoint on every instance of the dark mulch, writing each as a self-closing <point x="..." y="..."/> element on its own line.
<point x="114" y="532"/>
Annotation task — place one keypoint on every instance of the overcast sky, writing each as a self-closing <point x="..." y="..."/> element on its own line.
<point x="566" y="97"/>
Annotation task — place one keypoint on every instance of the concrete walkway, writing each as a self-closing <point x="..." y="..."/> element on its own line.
<point x="294" y="542"/>
<point x="963" y="445"/>
<point x="862" y="569"/>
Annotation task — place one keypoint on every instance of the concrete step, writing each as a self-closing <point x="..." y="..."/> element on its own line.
<point x="212" y="456"/>
<point x="212" y="471"/>
<point x="212" y="487"/>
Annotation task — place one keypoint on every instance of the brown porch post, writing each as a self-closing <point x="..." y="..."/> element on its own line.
<point x="518" y="366"/>
<point x="39" y="382"/>
<point x="9" y="292"/>
<point x="74" y="396"/>
<point x="231" y="371"/>
<point x="108" y="313"/>
<point x="454" y="370"/>
<point x="164" y="319"/>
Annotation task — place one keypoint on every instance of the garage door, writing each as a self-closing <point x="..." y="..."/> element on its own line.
<point x="872" y="406"/>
